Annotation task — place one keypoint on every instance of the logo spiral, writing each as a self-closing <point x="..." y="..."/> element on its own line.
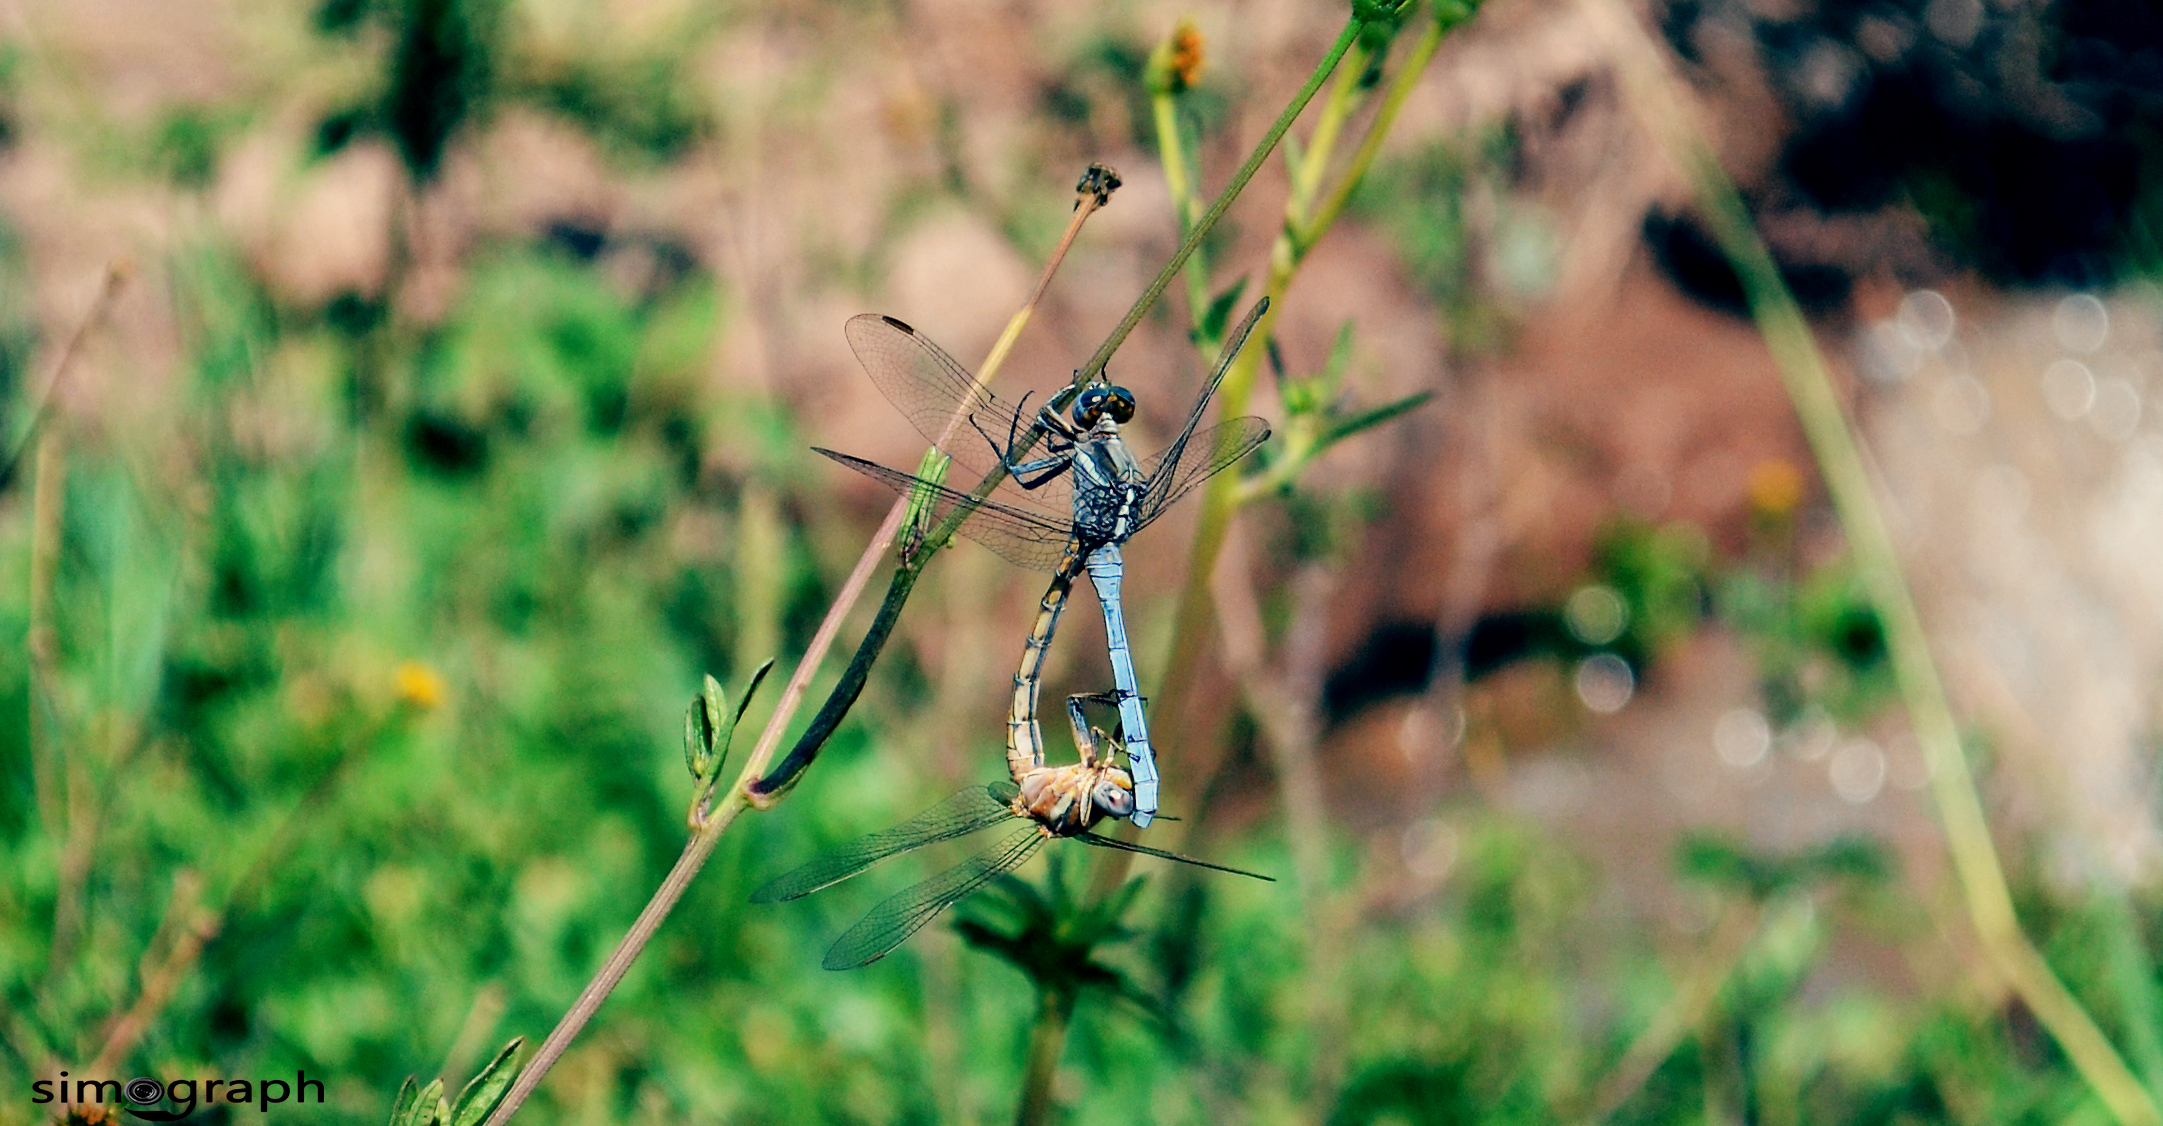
<point x="144" y="1091"/>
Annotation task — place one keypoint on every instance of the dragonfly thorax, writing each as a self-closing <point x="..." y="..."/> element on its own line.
<point x="1067" y="800"/>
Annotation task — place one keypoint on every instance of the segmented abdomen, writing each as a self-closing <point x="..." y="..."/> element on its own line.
<point x="1024" y="739"/>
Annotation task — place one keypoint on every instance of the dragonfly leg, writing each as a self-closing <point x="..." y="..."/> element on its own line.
<point x="1043" y="469"/>
<point x="1088" y="740"/>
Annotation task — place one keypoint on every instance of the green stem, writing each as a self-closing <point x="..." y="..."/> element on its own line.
<point x="1055" y="1011"/>
<point x="1172" y="153"/>
<point x="1187" y="246"/>
<point x="1415" y="65"/>
<point x="1302" y="230"/>
<point x="1877" y="562"/>
<point x="1336" y="108"/>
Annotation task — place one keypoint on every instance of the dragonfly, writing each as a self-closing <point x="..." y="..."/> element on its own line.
<point x="1049" y="802"/>
<point x="1073" y="507"/>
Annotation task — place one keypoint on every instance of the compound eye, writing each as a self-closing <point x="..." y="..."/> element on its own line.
<point x="1114" y="800"/>
<point x="1119" y="403"/>
<point x="1089" y="406"/>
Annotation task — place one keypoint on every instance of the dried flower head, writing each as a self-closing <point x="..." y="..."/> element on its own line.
<point x="1186" y="55"/>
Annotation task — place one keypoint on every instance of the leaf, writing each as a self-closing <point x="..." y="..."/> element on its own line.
<point x="1219" y="313"/>
<point x="405" y="1108"/>
<point x="758" y="677"/>
<point x="1368" y="419"/>
<point x="480" y="1097"/>
<point x="1851" y="858"/>
<point x="709" y="727"/>
<point x="1340" y="356"/>
<point x="699" y="736"/>
<point x="1721" y="862"/>
<point x="426" y="1107"/>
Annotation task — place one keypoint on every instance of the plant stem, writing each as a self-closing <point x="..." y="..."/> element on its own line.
<point x="754" y="788"/>
<point x="1730" y="939"/>
<point x="1848" y="484"/>
<point x="1187" y="246"/>
<point x="1304" y="226"/>
<point x="1336" y="108"/>
<point x="1415" y="64"/>
<point x="1055" y="1012"/>
<point x="1172" y="154"/>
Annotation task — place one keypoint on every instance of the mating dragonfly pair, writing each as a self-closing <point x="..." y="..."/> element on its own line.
<point x="1069" y="510"/>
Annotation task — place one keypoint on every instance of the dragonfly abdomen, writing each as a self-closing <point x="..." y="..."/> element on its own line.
<point x="1024" y="738"/>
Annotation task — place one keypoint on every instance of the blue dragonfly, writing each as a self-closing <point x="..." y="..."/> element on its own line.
<point x="1069" y="510"/>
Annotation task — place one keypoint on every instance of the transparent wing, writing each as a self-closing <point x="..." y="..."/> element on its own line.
<point x="1165" y="464"/>
<point x="944" y="402"/>
<point x="1145" y="850"/>
<point x="1030" y="540"/>
<point x="1209" y="453"/>
<point x="892" y="922"/>
<point x="960" y="814"/>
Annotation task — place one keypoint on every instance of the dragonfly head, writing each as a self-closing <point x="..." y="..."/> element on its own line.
<point x="1114" y="794"/>
<point x="1103" y="400"/>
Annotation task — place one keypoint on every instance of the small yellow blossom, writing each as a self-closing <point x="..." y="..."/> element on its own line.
<point x="418" y="685"/>
<point x="1774" y="487"/>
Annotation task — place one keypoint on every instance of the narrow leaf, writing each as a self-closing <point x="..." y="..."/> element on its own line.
<point x="480" y="1097"/>
<point x="1369" y="419"/>
<point x="1219" y="313"/>
<point x="405" y="1107"/>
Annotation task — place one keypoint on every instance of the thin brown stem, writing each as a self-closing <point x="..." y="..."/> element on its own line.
<point x="1723" y="950"/>
<point x="187" y="929"/>
<point x="754" y="787"/>
<point x="63" y="791"/>
<point x="116" y="276"/>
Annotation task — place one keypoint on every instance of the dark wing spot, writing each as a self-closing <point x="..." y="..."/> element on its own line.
<point x="902" y="325"/>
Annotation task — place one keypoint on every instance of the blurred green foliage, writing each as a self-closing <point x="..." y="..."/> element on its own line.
<point x="372" y="655"/>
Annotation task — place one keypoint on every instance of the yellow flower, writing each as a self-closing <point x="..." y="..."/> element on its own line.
<point x="1774" y="487"/>
<point x="418" y="685"/>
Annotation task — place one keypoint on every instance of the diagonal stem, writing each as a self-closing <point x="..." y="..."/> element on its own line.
<point x="1202" y="227"/>
<point x="1644" y="71"/>
<point x="754" y="788"/>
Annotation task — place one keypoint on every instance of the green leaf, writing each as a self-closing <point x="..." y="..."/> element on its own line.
<point x="699" y="736"/>
<point x="426" y="1107"/>
<point x="758" y="677"/>
<point x="1340" y="356"/>
<point x="1368" y="419"/>
<point x="1220" y="313"/>
<point x="404" y="1109"/>
<point x="480" y="1097"/>
<point x="932" y="468"/>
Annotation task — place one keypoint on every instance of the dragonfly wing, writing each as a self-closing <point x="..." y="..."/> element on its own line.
<point x="892" y="922"/>
<point x="1030" y="540"/>
<point x="942" y="400"/>
<point x="1166" y="463"/>
<point x="962" y="813"/>
<point x="1145" y="850"/>
<point x="1209" y="453"/>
